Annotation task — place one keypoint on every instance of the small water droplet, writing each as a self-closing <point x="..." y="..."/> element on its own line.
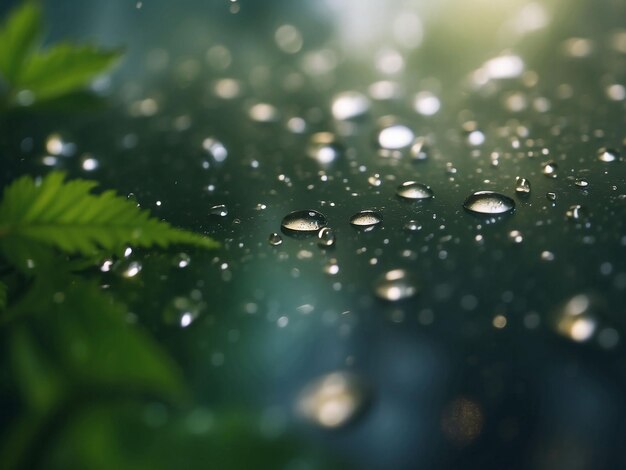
<point x="219" y="210"/>
<point x="375" y="180"/>
<point x="516" y="236"/>
<point x="581" y="183"/>
<point x="419" y="149"/>
<point x="551" y="196"/>
<point x="304" y="221"/>
<point x="182" y="260"/>
<point x="412" y="226"/>
<point x="522" y="186"/>
<point x="608" y="155"/>
<point x="549" y="169"/>
<point x="576" y="212"/>
<point x="326" y="237"/>
<point x="394" y="285"/>
<point x="275" y="239"/>
<point x="323" y="147"/>
<point x="547" y="256"/>
<point x="489" y="202"/>
<point x="366" y="218"/>
<point x="183" y="311"/>
<point x="413" y="190"/>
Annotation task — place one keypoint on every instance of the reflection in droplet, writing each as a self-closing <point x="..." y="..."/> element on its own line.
<point x="304" y="221"/>
<point x="275" y="239"/>
<point x="608" y="155"/>
<point x="489" y="202"/>
<point x="326" y="237"/>
<point x="219" y="210"/>
<point x="397" y="284"/>
<point x="549" y="169"/>
<point x="349" y="105"/>
<point x="333" y="400"/>
<point x="396" y="136"/>
<point x="366" y="218"/>
<point x="413" y="190"/>
<point x="522" y="186"/>
<point x="323" y="147"/>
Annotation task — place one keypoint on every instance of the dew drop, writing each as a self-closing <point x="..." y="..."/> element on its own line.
<point x="581" y="183"/>
<point x="366" y="218"/>
<point x="275" y="239"/>
<point x="488" y="202"/>
<point x="413" y="191"/>
<point x="551" y="196"/>
<point x="326" y="237"/>
<point x="394" y="285"/>
<point x="303" y="221"/>
<point x="549" y="169"/>
<point x="522" y="186"/>
<point x="219" y="210"/>
<point x="608" y="155"/>
<point x="323" y="147"/>
<point x="576" y="212"/>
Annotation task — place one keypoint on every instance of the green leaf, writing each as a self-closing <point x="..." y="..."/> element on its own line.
<point x="3" y="296"/>
<point x="18" y="37"/>
<point x="64" y="68"/>
<point x="67" y="216"/>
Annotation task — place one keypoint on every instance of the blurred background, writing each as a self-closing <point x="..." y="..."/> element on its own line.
<point x="499" y="343"/>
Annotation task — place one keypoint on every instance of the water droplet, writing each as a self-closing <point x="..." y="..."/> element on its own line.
<point x="419" y="150"/>
<point x="412" y="226"/>
<point x="608" y="155"/>
<point x="183" y="311"/>
<point x="366" y="218"/>
<point x="575" y="321"/>
<point x="331" y="268"/>
<point x="375" y="180"/>
<point x="215" y="148"/>
<point x="551" y="196"/>
<point x="304" y="221"/>
<point x="326" y="237"/>
<point x="426" y="104"/>
<point x="395" y="137"/>
<point x="547" y="256"/>
<point x="333" y="400"/>
<point x="349" y="105"/>
<point x="581" y="183"/>
<point x="576" y="212"/>
<point x="489" y="202"/>
<point x="522" y="186"/>
<point x="397" y="284"/>
<point x="275" y="239"/>
<point x="549" y="169"/>
<point x="182" y="260"/>
<point x="323" y="147"/>
<point x="413" y="190"/>
<point x="220" y="210"/>
<point x="263" y="112"/>
<point x="129" y="269"/>
<point x="516" y="236"/>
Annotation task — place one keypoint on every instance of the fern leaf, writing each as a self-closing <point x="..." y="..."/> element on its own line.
<point x="67" y="216"/>
<point x="18" y="37"/>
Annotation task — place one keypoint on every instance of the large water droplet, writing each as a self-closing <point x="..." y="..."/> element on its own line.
<point x="365" y="219"/>
<point x="413" y="190"/>
<point x="333" y="400"/>
<point x="306" y="221"/>
<point x="522" y="186"/>
<point x="349" y="105"/>
<point x="326" y="237"/>
<point x="489" y="202"/>
<point x="608" y="155"/>
<point x="397" y="284"/>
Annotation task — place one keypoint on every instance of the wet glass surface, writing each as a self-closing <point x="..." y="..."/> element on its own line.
<point x="439" y="337"/>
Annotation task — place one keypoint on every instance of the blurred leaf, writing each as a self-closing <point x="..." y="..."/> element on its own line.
<point x="64" y="68"/>
<point x="83" y="333"/>
<point x="18" y="37"/>
<point x="3" y="296"/>
<point x="65" y="215"/>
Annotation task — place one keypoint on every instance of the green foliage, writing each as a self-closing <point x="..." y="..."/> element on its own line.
<point x="57" y="72"/>
<point x="66" y="216"/>
<point x="3" y="296"/>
